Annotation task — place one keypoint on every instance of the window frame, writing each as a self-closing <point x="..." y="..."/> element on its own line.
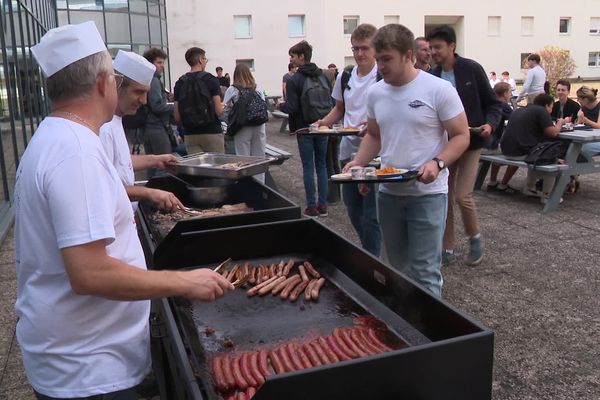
<point x="597" y="64"/>
<point x="524" y="18"/>
<point x="499" y="31"/>
<point x="568" y="27"/>
<point x="248" y="61"/>
<point x="239" y="17"/>
<point x="346" y="18"/>
<point x="303" y="24"/>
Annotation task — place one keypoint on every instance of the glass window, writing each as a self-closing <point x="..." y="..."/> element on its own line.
<point x="249" y="62"/>
<point x="78" y="17"/>
<point x="115" y="5"/>
<point x="153" y="8"/>
<point x="113" y="49"/>
<point x="564" y="25"/>
<point x="118" y="28"/>
<point x="295" y="25"/>
<point x="242" y="26"/>
<point x="155" y="31"/>
<point x="526" y="26"/>
<point x="494" y="26"/>
<point x="391" y="19"/>
<point x="594" y="25"/>
<point x="594" y="59"/>
<point x="63" y="18"/>
<point x="163" y="27"/>
<point x="350" y="24"/>
<point x="139" y="6"/>
<point x="61" y="4"/>
<point x="85" y="5"/>
<point x="139" y="29"/>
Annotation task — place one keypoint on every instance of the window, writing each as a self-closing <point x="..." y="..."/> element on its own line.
<point x="594" y="59"/>
<point x="564" y="25"/>
<point x="526" y="26"/>
<point x="350" y="24"/>
<point x="391" y="19"/>
<point x="595" y="26"/>
<point x="85" y="5"/>
<point x="295" y="25"/>
<point x="494" y="26"/>
<point x="118" y="31"/>
<point x="242" y="26"/>
<point x="249" y="62"/>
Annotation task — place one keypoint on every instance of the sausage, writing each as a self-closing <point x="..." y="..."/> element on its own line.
<point x="253" y="291"/>
<point x="240" y="381"/>
<point x="316" y="346"/>
<point x="272" y="271"/>
<point x="345" y="334"/>
<point x="298" y="290"/>
<point x="234" y="270"/>
<point x="288" y="267"/>
<point x="311" y="270"/>
<point x="303" y="357"/>
<point x="280" y="266"/>
<point x="331" y="355"/>
<point x="294" y="356"/>
<point x="287" y="290"/>
<point x="366" y="341"/>
<point x="311" y="354"/>
<point x="228" y="372"/>
<point x="263" y="363"/>
<point x="232" y="396"/>
<point x="308" y="290"/>
<point x="360" y="342"/>
<point x="282" y="285"/>
<point x="218" y="376"/>
<point x="254" y="369"/>
<point x="285" y="359"/>
<point x="337" y="336"/>
<point x="335" y="348"/>
<point x="276" y="362"/>
<point x="246" y="370"/>
<point x="376" y="341"/>
<point x="252" y="279"/>
<point x="250" y="392"/>
<point x="259" y="274"/>
<point x="317" y="288"/>
<point x="246" y="271"/>
<point x="273" y="282"/>
<point x="240" y="396"/>
<point x="303" y="272"/>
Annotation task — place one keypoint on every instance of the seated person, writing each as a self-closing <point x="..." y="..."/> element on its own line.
<point x="528" y="126"/>
<point x="588" y="115"/>
<point x="564" y="107"/>
<point x="503" y="91"/>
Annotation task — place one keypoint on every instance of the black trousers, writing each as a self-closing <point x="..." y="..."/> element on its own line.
<point x="127" y="394"/>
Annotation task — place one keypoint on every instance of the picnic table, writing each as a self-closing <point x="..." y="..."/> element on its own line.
<point x="574" y="164"/>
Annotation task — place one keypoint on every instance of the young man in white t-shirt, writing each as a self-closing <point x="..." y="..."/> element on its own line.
<point x="409" y="113"/>
<point x="350" y="94"/>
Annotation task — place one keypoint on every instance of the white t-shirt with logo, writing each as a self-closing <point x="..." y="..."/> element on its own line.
<point x="410" y="121"/>
<point x="68" y="193"/>
<point x="355" y="105"/>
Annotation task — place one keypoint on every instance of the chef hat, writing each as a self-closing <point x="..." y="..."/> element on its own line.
<point x="64" y="45"/>
<point x="134" y="67"/>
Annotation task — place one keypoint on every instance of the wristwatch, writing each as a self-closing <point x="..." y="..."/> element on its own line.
<point x="440" y="163"/>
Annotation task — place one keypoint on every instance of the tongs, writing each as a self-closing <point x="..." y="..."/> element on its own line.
<point x="240" y="281"/>
<point x="191" y="211"/>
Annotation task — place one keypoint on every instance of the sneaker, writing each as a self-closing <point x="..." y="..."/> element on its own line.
<point x="311" y="212"/>
<point x="448" y="258"/>
<point x="475" y="252"/>
<point x="322" y="209"/>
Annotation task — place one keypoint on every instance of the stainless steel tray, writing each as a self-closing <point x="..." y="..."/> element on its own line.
<point x="215" y="165"/>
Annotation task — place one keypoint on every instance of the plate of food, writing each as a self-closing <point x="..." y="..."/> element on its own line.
<point x="341" y="177"/>
<point x="387" y="172"/>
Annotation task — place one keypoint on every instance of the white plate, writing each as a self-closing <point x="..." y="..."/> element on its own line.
<point x="342" y="176"/>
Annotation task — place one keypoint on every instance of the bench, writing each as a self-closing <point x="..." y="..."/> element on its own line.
<point x="284" y="120"/>
<point x="486" y="160"/>
<point x="280" y="157"/>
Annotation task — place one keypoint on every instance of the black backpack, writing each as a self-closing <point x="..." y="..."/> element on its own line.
<point x="545" y="153"/>
<point x="137" y="120"/>
<point x="248" y="110"/>
<point x="315" y="98"/>
<point x="195" y="102"/>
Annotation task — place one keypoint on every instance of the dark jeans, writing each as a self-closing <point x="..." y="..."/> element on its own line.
<point x="127" y="394"/>
<point x="313" y="153"/>
<point x="333" y="167"/>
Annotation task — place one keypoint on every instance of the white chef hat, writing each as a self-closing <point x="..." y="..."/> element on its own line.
<point x="134" y="67"/>
<point x="64" y="45"/>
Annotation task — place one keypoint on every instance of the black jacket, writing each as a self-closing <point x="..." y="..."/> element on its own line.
<point x="481" y="104"/>
<point x="570" y="109"/>
<point x="292" y="104"/>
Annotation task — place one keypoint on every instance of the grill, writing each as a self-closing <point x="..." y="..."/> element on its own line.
<point x="438" y="352"/>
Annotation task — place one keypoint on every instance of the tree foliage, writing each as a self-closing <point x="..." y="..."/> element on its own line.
<point x="557" y="63"/>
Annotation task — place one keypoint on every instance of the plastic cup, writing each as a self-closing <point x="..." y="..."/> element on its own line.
<point x="357" y="172"/>
<point x="337" y="127"/>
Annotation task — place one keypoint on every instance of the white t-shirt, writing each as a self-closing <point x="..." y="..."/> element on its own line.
<point x="410" y="122"/>
<point x="114" y="141"/>
<point x="355" y="106"/>
<point x="67" y="193"/>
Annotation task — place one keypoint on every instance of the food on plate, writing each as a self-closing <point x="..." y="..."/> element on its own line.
<point x="324" y="128"/>
<point x="349" y="128"/>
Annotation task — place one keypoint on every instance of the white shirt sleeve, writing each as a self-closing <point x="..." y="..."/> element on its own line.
<point x="448" y="103"/>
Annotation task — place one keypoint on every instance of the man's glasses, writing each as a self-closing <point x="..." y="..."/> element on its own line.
<point x="119" y="80"/>
<point x="356" y="49"/>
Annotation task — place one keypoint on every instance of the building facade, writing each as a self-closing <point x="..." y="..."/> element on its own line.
<point x="498" y="34"/>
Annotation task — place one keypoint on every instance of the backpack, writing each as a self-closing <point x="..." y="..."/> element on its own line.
<point x="137" y="120"/>
<point x="195" y="102"/>
<point x="545" y="153"/>
<point x="315" y="98"/>
<point x="347" y="74"/>
<point x="248" y="110"/>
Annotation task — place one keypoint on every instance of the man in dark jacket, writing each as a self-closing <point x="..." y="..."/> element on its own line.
<point x="312" y="148"/>
<point x="483" y="111"/>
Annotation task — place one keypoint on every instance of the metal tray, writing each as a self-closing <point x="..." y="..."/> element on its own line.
<point x="405" y="177"/>
<point x="327" y="132"/>
<point x="211" y="165"/>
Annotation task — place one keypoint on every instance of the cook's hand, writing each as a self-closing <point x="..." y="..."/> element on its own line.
<point x="162" y="161"/>
<point x="364" y="127"/>
<point x="204" y="284"/>
<point x="428" y="172"/>
<point x="165" y="200"/>
<point x="351" y="164"/>
<point x="363" y="189"/>
<point x="485" y="130"/>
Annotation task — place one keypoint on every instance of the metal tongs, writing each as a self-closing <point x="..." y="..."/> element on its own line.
<point x="190" y="211"/>
<point x="240" y="281"/>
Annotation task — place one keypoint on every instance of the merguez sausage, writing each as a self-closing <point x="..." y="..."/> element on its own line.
<point x="253" y="291"/>
<point x="312" y="355"/>
<point x="311" y="270"/>
<point x="303" y="272"/>
<point x="254" y="369"/>
<point x="276" y="362"/>
<point x="263" y="364"/>
<point x="320" y="352"/>
<point x="246" y="370"/>
<point x="303" y="357"/>
<point x="252" y="279"/>
<point x="288" y="267"/>
<point x="285" y="359"/>
<point x="219" y="378"/>
<point x="337" y="335"/>
<point x="286" y="290"/>
<point x="294" y="357"/>
<point x="317" y="288"/>
<point x="376" y="341"/>
<point x="363" y="335"/>
<point x="351" y="344"/>
<point x="333" y="357"/>
<point x="358" y="340"/>
<point x="228" y="372"/>
<point x="283" y="284"/>
<point x="333" y="345"/>
<point x="298" y="290"/>
<point x="267" y="288"/>
<point x="250" y="392"/>
<point x="240" y="382"/>
<point x="240" y="396"/>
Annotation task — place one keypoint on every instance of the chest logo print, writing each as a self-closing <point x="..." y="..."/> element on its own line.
<point x="416" y="104"/>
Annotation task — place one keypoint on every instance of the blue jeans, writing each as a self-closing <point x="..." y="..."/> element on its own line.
<point x="313" y="153"/>
<point x="413" y="228"/>
<point x="590" y="150"/>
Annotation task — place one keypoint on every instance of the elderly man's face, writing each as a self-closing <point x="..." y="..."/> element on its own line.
<point x="132" y="97"/>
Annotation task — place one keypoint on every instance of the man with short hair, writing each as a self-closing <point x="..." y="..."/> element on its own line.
<point x="209" y="136"/>
<point x="483" y="111"/>
<point x="350" y="94"/>
<point x="564" y="106"/>
<point x="312" y="148"/>
<point x="137" y="76"/>
<point x="286" y="77"/>
<point x="535" y="80"/>
<point x="513" y="85"/>
<point x="156" y="129"/>
<point x="422" y="54"/>
<point x="223" y="80"/>
<point x="494" y="79"/>
<point x="83" y="288"/>
<point x="412" y="214"/>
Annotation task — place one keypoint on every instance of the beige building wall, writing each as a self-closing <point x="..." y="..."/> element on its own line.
<point x="497" y="42"/>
